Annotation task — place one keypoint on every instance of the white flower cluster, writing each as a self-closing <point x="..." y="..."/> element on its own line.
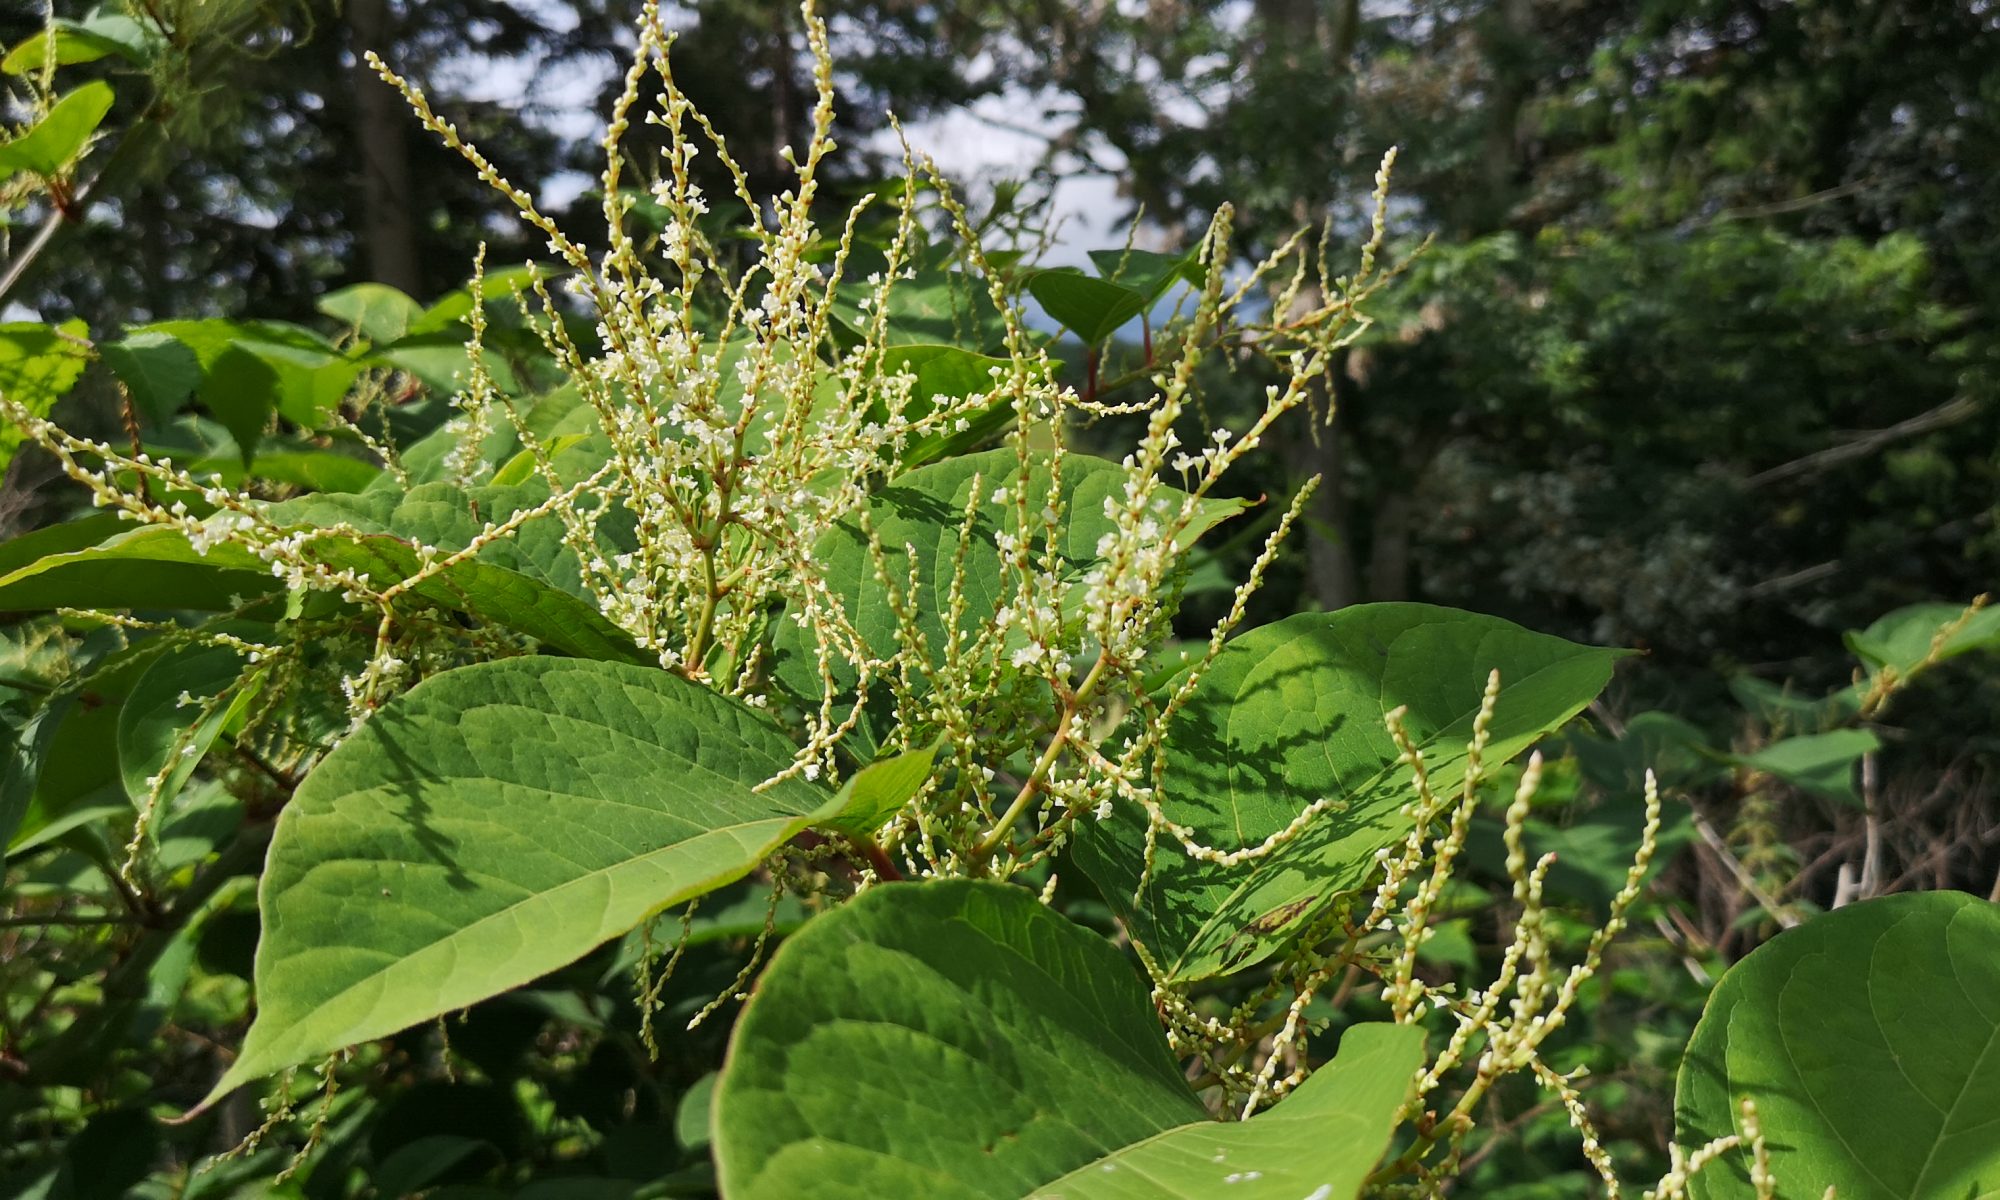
<point x="1049" y="700"/>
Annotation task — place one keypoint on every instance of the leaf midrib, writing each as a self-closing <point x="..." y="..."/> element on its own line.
<point x="463" y="931"/>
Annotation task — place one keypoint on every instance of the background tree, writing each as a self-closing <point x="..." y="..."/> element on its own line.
<point x="275" y="168"/>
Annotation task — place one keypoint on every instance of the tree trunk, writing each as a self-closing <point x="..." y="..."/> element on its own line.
<point x="1509" y="44"/>
<point x="1330" y="569"/>
<point x="388" y="217"/>
<point x="1389" y="548"/>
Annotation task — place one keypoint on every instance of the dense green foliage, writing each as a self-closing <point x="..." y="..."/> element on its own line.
<point x="782" y="698"/>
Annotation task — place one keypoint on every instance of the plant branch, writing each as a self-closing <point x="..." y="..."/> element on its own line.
<point x="1713" y="840"/>
<point x="1951" y="412"/>
<point x="996" y="836"/>
<point x="78" y="203"/>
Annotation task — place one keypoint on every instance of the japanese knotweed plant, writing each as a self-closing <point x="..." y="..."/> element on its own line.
<point x="705" y="574"/>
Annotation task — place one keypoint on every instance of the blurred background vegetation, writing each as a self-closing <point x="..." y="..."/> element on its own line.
<point x="1701" y="357"/>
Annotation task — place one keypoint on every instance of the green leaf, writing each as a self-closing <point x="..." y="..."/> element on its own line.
<point x="1820" y="763"/>
<point x="879" y="791"/>
<point x="1092" y="309"/>
<point x="1902" y="639"/>
<point x="491" y="825"/>
<point x="39" y="364"/>
<point x="20" y="763"/>
<point x="1778" y="706"/>
<point x="76" y="779"/>
<point x="692" y="1117"/>
<point x="415" y="1165"/>
<point x="311" y="375"/>
<point x="1675" y="750"/>
<point x="530" y="581"/>
<point x="1148" y="272"/>
<point x="1869" y="1038"/>
<point x="1292" y="712"/>
<point x="152" y="720"/>
<point x="75" y="764"/>
<point x="440" y="362"/>
<point x="150" y="569"/>
<point x="939" y="307"/>
<point x="498" y="288"/>
<point x="958" y="1039"/>
<point x="252" y="369"/>
<point x="312" y="470"/>
<point x="917" y="517"/>
<point x="51" y="144"/>
<point x="65" y="537"/>
<point x="157" y="368"/>
<point x="240" y="389"/>
<point x="375" y="310"/>
<point x="82" y="42"/>
<point x="946" y="372"/>
<point x="1321" y="1142"/>
<point x="521" y="468"/>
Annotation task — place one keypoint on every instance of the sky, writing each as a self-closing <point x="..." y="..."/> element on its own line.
<point x="998" y="138"/>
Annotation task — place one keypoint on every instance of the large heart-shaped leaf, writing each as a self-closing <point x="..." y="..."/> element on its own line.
<point x="493" y="824"/>
<point x="1292" y="712"/>
<point x="1869" y="1038"/>
<point x="957" y="1039"/>
<point x="917" y="517"/>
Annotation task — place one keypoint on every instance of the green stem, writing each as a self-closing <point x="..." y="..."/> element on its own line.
<point x="63" y="216"/>
<point x="1025" y="798"/>
<point x="1412" y="1158"/>
<point x="704" y="624"/>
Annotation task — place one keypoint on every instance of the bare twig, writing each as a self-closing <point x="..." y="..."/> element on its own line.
<point x="1720" y="848"/>
<point x="1951" y="412"/>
